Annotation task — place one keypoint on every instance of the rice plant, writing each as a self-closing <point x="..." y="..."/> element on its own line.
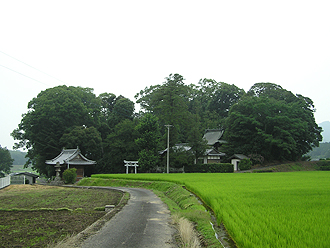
<point x="263" y="209"/>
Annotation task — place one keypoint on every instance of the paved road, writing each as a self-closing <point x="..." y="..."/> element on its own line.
<point x="143" y="222"/>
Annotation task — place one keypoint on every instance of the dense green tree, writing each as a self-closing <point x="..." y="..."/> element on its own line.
<point x="212" y="100"/>
<point x="266" y="121"/>
<point x="123" y="109"/>
<point x="168" y="102"/>
<point x="195" y="139"/>
<point x="270" y="90"/>
<point x="148" y="142"/>
<point x="108" y="101"/>
<point x="113" y="111"/>
<point x="69" y="117"/>
<point x="88" y="139"/>
<point x="5" y="161"/>
<point x="272" y="122"/>
<point x="119" y="146"/>
<point x="224" y="96"/>
<point x="180" y="157"/>
<point x="190" y="109"/>
<point x="49" y="115"/>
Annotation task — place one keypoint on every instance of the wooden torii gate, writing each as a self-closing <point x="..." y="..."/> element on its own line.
<point x="130" y="164"/>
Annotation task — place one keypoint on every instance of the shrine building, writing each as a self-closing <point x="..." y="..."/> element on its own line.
<point x="72" y="158"/>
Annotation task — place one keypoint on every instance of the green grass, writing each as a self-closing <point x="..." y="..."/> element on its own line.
<point x="180" y="202"/>
<point x="263" y="210"/>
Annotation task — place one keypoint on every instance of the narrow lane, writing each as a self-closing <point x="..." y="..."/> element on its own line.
<point x="143" y="222"/>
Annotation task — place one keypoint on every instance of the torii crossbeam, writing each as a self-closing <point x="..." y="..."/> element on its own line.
<point x="130" y="164"/>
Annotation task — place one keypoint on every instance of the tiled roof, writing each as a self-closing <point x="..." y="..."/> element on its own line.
<point x="67" y="156"/>
<point x="239" y="156"/>
<point x="213" y="136"/>
<point x="213" y="151"/>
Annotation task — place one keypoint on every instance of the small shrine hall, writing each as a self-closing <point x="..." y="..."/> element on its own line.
<point x="72" y="158"/>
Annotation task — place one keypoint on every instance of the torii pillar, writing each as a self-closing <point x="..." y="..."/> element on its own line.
<point x="131" y="163"/>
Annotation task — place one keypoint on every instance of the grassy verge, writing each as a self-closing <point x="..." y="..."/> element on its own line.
<point x="180" y="202"/>
<point x="34" y="216"/>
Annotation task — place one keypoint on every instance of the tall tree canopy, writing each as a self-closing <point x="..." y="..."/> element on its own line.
<point x="148" y="142"/>
<point x="169" y="103"/>
<point x="119" y="146"/>
<point x="87" y="138"/>
<point x="176" y="103"/>
<point x="267" y="120"/>
<point x="49" y="115"/>
<point x="69" y="117"/>
<point x="272" y="122"/>
<point x="212" y="101"/>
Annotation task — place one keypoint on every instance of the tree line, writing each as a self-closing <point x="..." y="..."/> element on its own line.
<point x="266" y="121"/>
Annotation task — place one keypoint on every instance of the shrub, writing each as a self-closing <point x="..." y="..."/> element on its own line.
<point x="245" y="164"/>
<point x="70" y="175"/>
<point x="147" y="160"/>
<point x="323" y="165"/>
<point x="256" y="159"/>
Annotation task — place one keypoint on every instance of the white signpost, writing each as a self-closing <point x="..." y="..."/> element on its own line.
<point x="130" y="164"/>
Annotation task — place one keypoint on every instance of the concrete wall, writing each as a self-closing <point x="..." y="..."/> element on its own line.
<point x="235" y="162"/>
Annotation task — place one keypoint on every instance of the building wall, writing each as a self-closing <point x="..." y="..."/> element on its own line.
<point x="20" y="180"/>
<point x="235" y="163"/>
<point x="213" y="161"/>
<point x="80" y="171"/>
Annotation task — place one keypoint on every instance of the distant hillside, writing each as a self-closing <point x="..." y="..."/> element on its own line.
<point x="20" y="168"/>
<point x="19" y="157"/>
<point x="326" y="131"/>
<point x="323" y="151"/>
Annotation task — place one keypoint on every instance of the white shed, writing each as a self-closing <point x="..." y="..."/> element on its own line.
<point x="236" y="158"/>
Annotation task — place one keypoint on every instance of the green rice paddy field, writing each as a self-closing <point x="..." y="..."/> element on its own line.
<point x="290" y="209"/>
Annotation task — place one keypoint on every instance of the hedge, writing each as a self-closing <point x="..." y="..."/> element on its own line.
<point x="210" y="168"/>
<point x="323" y="165"/>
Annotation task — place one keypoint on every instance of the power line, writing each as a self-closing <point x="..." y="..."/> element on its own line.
<point x="23" y="75"/>
<point x="32" y="67"/>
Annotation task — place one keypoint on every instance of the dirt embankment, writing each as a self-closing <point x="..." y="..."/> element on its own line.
<point x="285" y="167"/>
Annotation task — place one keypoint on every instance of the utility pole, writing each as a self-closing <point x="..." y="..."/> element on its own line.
<point x="168" y="148"/>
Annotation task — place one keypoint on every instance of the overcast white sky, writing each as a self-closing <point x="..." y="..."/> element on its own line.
<point x="121" y="47"/>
